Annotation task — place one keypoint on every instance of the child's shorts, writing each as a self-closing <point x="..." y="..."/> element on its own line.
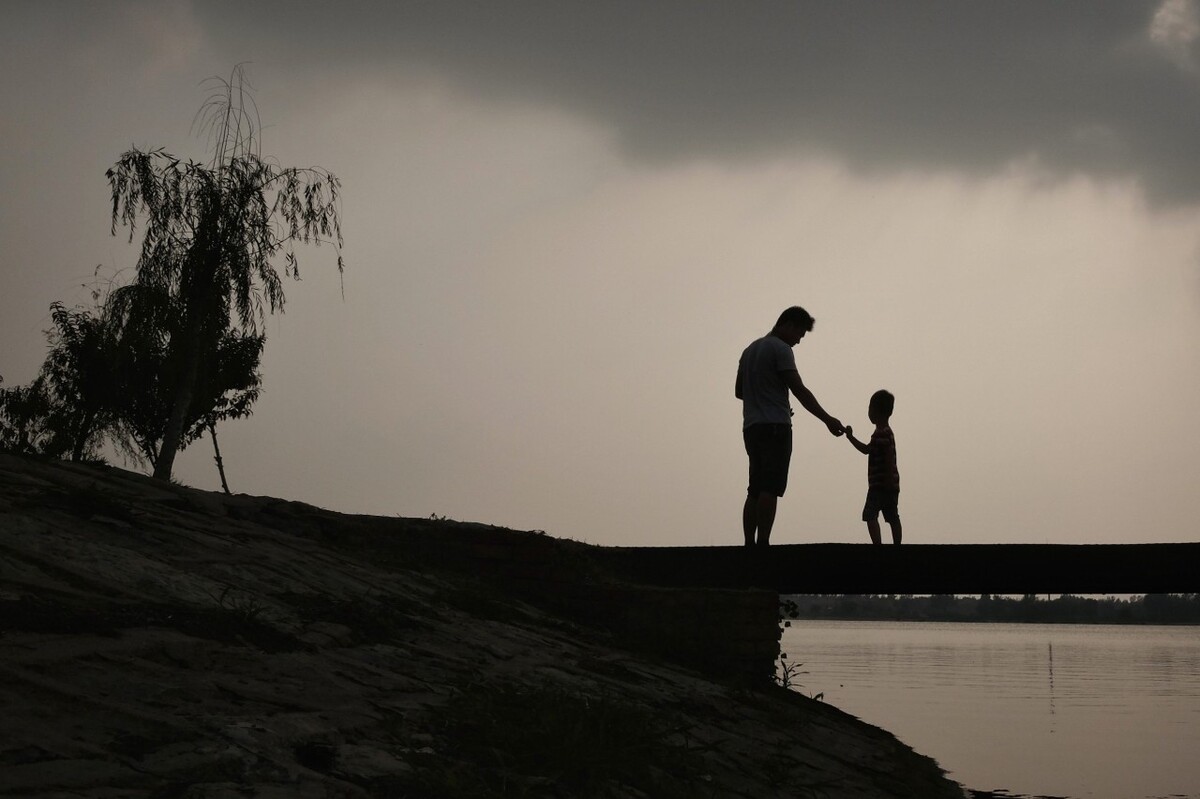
<point x="882" y="500"/>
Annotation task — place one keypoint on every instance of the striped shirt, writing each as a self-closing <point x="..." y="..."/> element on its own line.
<point x="881" y="460"/>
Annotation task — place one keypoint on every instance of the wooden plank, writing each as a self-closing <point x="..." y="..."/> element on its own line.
<point x="918" y="568"/>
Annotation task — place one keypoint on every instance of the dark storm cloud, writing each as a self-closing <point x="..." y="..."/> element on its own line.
<point x="960" y="85"/>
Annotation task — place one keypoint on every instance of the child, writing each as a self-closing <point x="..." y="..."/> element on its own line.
<point x="883" y="478"/>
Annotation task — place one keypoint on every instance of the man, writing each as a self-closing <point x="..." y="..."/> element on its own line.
<point x="766" y="373"/>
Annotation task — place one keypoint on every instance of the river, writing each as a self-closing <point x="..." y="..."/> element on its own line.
<point x="1026" y="710"/>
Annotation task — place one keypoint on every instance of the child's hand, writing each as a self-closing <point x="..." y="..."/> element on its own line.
<point x="849" y="430"/>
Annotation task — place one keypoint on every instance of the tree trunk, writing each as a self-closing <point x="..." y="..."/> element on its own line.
<point x="176" y="424"/>
<point x="198" y="295"/>
<point x="212" y="431"/>
<point x="173" y="434"/>
<point x="81" y="436"/>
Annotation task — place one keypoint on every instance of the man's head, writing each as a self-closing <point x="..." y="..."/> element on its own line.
<point x="881" y="406"/>
<point x="793" y="324"/>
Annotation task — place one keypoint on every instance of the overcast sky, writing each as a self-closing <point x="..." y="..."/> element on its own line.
<point x="564" y="222"/>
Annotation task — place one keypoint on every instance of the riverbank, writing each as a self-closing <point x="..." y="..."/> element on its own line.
<point x="160" y="641"/>
<point x="1164" y="609"/>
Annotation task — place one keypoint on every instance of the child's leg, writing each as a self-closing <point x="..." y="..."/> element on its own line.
<point x="873" y="530"/>
<point x="897" y="531"/>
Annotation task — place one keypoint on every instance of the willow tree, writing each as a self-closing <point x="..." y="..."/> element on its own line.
<point x="213" y="235"/>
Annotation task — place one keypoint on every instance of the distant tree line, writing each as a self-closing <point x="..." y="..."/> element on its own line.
<point x="1065" y="609"/>
<point x="153" y="365"/>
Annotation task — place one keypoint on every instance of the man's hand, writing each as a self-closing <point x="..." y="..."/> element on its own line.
<point x="835" y="426"/>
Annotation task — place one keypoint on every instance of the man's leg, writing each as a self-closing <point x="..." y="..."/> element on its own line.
<point x="770" y="449"/>
<point x="873" y="531"/>
<point x="758" y="515"/>
<point x="897" y="532"/>
<point x="750" y="518"/>
<point x="765" y="511"/>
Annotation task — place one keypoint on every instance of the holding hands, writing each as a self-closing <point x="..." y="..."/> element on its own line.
<point x="858" y="445"/>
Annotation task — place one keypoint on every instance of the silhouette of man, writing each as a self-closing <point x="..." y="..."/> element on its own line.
<point x="766" y="373"/>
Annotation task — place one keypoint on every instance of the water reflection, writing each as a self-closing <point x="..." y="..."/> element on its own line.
<point x="1005" y="794"/>
<point x="1050" y="662"/>
<point x="1040" y="710"/>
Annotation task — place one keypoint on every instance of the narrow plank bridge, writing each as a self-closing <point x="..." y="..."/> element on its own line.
<point x="918" y="568"/>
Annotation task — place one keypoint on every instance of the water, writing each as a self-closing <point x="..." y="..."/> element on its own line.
<point x="1078" y="711"/>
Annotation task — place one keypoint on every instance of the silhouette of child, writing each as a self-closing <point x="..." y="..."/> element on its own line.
<point x="883" y="478"/>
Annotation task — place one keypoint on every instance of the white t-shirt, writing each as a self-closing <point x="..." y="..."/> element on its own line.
<point x="764" y="394"/>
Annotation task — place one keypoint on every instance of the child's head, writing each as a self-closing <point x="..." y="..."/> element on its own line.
<point x="880" y="409"/>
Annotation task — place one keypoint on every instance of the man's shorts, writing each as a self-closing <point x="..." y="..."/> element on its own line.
<point x="882" y="500"/>
<point x="769" y="447"/>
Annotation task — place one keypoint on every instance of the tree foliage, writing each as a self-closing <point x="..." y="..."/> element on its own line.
<point x="143" y="322"/>
<point x="78" y="374"/>
<point x="211" y="236"/>
<point x="108" y="374"/>
<point x="26" y="426"/>
<point x="162" y="360"/>
<point x="69" y="406"/>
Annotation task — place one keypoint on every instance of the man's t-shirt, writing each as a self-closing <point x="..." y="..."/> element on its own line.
<point x="764" y="394"/>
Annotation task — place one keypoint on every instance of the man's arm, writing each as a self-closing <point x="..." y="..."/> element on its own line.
<point x="809" y="402"/>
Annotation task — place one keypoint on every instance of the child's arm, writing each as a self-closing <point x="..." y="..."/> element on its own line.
<point x="858" y="445"/>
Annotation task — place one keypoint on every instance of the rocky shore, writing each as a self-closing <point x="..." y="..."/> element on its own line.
<point x="157" y="641"/>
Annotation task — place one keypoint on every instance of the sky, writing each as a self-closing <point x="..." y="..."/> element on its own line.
<point x="564" y="221"/>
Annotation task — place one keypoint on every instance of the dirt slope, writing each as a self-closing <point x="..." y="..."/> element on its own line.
<point x="158" y="641"/>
